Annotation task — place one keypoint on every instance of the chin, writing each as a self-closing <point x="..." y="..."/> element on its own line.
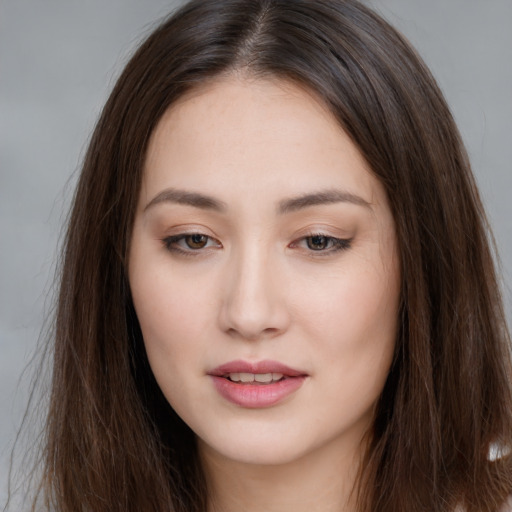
<point x="263" y="452"/>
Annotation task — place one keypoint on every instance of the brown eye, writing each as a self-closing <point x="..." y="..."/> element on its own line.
<point x="317" y="242"/>
<point x="196" y="241"/>
<point x="190" y="243"/>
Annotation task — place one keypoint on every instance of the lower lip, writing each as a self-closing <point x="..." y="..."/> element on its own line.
<point x="256" y="396"/>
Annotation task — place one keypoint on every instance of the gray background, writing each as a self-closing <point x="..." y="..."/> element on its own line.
<point x="58" y="61"/>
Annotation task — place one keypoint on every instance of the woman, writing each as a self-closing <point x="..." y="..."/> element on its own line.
<point x="277" y="289"/>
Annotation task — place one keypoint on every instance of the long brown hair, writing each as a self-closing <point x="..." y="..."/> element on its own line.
<point x="113" y="443"/>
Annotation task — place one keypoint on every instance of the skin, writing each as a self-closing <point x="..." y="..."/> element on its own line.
<point x="261" y="287"/>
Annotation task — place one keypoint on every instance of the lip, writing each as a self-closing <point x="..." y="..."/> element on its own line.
<point x="266" y="366"/>
<point x="254" y="396"/>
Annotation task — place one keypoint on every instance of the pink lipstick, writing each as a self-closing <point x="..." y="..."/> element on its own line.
<point x="256" y="385"/>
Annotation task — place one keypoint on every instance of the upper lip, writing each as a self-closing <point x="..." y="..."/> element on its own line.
<point x="266" y="366"/>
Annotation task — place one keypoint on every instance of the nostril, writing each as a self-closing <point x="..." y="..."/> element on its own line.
<point x="253" y="335"/>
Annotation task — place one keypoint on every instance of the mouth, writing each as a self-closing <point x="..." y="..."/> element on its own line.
<point x="256" y="385"/>
<point x="254" y="378"/>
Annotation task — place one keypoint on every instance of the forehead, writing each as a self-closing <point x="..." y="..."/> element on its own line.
<point x="266" y="134"/>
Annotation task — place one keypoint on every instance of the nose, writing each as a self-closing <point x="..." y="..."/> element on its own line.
<point x="254" y="302"/>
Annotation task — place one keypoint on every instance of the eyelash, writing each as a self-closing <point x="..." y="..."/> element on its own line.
<point x="333" y="244"/>
<point x="170" y="243"/>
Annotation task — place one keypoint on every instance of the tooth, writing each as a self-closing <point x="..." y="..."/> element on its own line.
<point x="277" y="376"/>
<point x="263" y="377"/>
<point x="235" y="377"/>
<point x="247" y="377"/>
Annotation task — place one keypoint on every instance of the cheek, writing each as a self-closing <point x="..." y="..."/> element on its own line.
<point x="169" y="313"/>
<point x="171" y="324"/>
<point x="354" y="320"/>
<point x="351" y="307"/>
<point x="171" y="309"/>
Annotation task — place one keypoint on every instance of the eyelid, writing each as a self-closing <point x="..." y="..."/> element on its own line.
<point x="337" y="243"/>
<point x="170" y="243"/>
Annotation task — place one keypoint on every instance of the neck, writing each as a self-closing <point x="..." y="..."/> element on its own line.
<point x="322" y="481"/>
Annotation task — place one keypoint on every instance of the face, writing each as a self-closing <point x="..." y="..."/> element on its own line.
<point x="264" y="273"/>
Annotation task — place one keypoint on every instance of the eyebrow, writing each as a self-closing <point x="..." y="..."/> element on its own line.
<point x="319" y="198"/>
<point x="185" y="197"/>
<point x="293" y="204"/>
